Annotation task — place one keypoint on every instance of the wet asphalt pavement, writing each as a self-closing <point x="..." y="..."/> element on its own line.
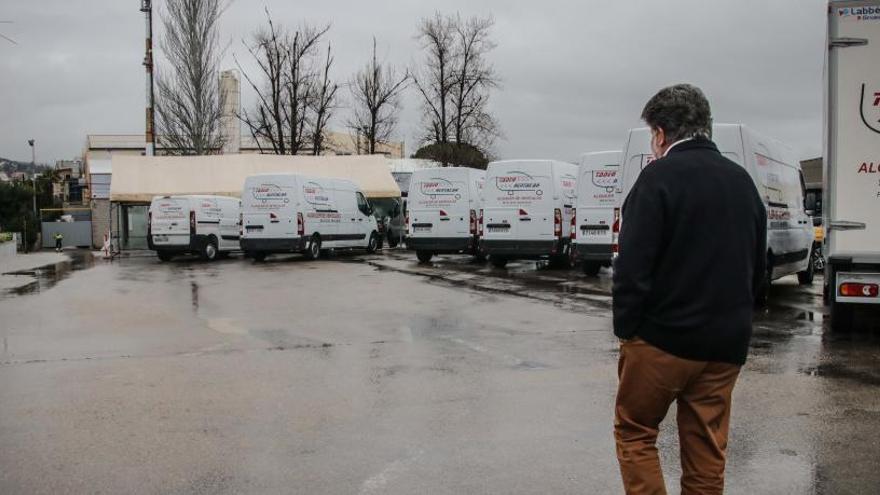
<point x="373" y="374"/>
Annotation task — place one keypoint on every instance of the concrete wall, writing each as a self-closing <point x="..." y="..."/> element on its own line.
<point x="7" y="249"/>
<point x="76" y="234"/>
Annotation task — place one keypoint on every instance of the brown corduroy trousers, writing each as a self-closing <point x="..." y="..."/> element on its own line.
<point x="650" y="380"/>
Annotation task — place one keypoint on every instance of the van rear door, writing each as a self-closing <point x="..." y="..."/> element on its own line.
<point x="519" y="202"/>
<point x="439" y="204"/>
<point x="170" y="217"/>
<point x="597" y="199"/>
<point x="268" y="207"/>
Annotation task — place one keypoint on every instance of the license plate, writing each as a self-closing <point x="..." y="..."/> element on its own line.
<point x="160" y="238"/>
<point x="499" y="229"/>
<point x="594" y="232"/>
<point x="421" y="229"/>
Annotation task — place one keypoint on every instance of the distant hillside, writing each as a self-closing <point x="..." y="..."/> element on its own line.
<point x="9" y="166"/>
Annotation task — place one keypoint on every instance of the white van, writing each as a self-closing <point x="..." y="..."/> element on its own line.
<point x="443" y="207"/>
<point x="527" y="210"/>
<point x="292" y="213"/>
<point x="777" y="175"/>
<point x="203" y="225"/>
<point x="596" y="210"/>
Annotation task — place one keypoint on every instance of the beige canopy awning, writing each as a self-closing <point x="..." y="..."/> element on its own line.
<point x="140" y="178"/>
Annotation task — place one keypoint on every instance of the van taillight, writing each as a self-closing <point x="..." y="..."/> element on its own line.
<point x="557" y="222"/>
<point x="573" y="234"/>
<point x="615" y="230"/>
<point x="300" y="225"/>
<point x="480" y="224"/>
<point x="192" y="222"/>
<point x="149" y="223"/>
<point x="406" y="222"/>
<point x="473" y="222"/>
<point x="241" y="224"/>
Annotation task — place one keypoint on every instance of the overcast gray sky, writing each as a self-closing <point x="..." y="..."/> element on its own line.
<point x="575" y="73"/>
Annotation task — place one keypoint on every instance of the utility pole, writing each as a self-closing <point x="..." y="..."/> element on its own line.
<point x="147" y="9"/>
<point x="32" y="144"/>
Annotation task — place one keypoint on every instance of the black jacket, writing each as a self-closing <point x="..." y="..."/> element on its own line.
<point x="692" y="255"/>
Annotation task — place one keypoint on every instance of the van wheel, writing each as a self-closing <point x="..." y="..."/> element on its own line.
<point x="393" y="239"/>
<point x="498" y="261"/>
<point x="424" y="256"/>
<point x="373" y="245"/>
<point x="164" y="256"/>
<point x="313" y="251"/>
<point x="209" y="250"/>
<point x="258" y="256"/>
<point x="806" y="277"/>
<point x="591" y="268"/>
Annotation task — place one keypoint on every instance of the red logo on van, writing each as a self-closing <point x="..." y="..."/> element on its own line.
<point x="870" y="110"/>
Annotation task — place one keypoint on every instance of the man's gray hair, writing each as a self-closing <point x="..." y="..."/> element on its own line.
<point x="682" y="111"/>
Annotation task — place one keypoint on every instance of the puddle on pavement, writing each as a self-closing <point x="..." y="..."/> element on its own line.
<point x="48" y="276"/>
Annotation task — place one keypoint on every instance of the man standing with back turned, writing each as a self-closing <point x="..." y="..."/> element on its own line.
<point x="692" y="255"/>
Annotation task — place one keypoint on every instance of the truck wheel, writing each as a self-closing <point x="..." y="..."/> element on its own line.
<point x="313" y="251"/>
<point x="164" y="256"/>
<point x="393" y="239"/>
<point x="591" y="268"/>
<point x="373" y="244"/>
<point x="209" y="250"/>
<point x="842" y="317"/>
<point x="258" y="256"/>
<point x="424" y="256"/>
<point x="498" y="261"/>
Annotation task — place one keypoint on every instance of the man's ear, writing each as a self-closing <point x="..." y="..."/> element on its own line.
<point x="661" y="136"/>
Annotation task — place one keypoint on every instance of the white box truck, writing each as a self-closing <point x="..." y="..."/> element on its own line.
<point x="596" y="212"/>
<point x="527" y="208"/>
<point x="777" y="174"/>
<point x="443" y="208"/>
<point x="292" y="213"/>
<point x="203" y="225"/>
<point x="852" y="160"/>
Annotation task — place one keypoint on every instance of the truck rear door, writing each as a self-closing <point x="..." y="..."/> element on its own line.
<point x="852" y="161"/>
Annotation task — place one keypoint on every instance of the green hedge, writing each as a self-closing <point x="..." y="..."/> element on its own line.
<point x="5" y="236"/>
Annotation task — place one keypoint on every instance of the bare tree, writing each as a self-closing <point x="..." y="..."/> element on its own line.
<point x="323" y="103"/>
<point x="456" y="80"/>
<point x="188" y="107"/>
<point x="375" y="93"/>
<point x="267" y="123"/>
<point x="437" y="77"/>
<point x="474" y="78"/>
<point x="287" y="85"/>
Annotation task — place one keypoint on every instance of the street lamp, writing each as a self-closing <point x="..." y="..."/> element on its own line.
<point x="31" y="142"/>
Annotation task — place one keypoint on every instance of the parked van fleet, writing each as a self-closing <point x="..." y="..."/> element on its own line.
<point x="443" y="208"/>
<point x="594" y="221"/>
<point x="292" y="213"/>
<point x="527" y="210"/>
<point x="203" y="225"/>
<point x="852" y="161"/>
<point x="777" y="175"/>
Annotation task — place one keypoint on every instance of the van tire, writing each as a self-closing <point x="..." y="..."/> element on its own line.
<point x="592" y="268"/>
<point x="313" y="250"/>
<point x="209" y="250"/>
<point x="373" y="243"/>
<point x="806" y="277"/>
<point x="498" y="261"/>
<point x="163" y="256"/>
<point x="424" y="256"/>
<point x="258" y="256"/>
